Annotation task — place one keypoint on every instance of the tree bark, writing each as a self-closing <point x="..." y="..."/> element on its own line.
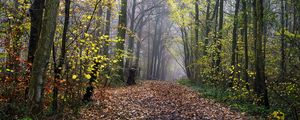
<point x="220" y="36"/>
<point x="41" y="59"/>
<point x="245" y="39"/>
<point x="197" y="25"/>
<point x="36" y="14"/>
<point x="184" y="36"/>
<point x="259" y="83"/>
<point x="282" y="38"/>
<point x="207" y="27"/>
<point x="129" y="61"/>
<point x="215" y="16"/>
<point x="58" y="70"/>
<point x="235" y="39"/>
<point x="138" y="47"/>
<point x="121" y="35"/>
<point x="36" y="17"/>
<point x="197" y="52"/>
<point x="107" y="29"/>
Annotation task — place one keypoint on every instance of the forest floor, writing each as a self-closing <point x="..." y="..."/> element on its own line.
<point x="156" y="100"/>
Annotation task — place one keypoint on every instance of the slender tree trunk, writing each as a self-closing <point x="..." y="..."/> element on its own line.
<point x="207" y="27"/>
<point x="139" y="27"/>
<point x="107" y="29"/>
<point x="154" y="49"/>
<point x="58" y="70"/>
<point x="41" y="59"/>
<point x="245" y="39"/>
<point x="197" y="25"/>
<point x="259" y="83"/>
<point x="163" y="69"/>
<point x="186" y="53"/>
<point x="154" y="53"/>
<point x="219" y="46"/>
<point x="121" y="35"/>
<point x="197" y="52"/>
<point x="105" y="42"/>
<point x="160" y="65"/>
<point x="235" y="39"/>
<point x="149" y="56"/>
<point x="131" y="36"/>
<point x="138" y="49"/>
<point x="235" y="34"/>
<point x="100" y="26"/>
<point x="216" y="15"/>
<point x="138" y="45"/>
<point x="159" y="51"/>
<point x="282" y="38"/>
<point x="36" y="16"/>
<point x="129" y="61"/>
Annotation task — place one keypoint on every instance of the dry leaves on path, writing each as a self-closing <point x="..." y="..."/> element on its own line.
<point x="156" y="100"/>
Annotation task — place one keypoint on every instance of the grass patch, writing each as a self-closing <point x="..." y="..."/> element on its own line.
<point x="222" y="95"/>
<point x="2" y="55"/>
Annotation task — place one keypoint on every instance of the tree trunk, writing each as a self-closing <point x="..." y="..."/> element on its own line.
<point x="245" y="39"/>
<point x="197" y="25"/>
<point x="197" y="52"/>
<point x="259" y="83"/>
<point x="186" y="53"/>
<point x="107" y="29"/>
<point x="58" y="69"/>
<point x="132" y="35"/>
<point x="41" y="59"/>
<point x="138" y="47"/>
<point x="121" y="35"/>
<point x="129" y="60"/>
<point x="216" y="15"/>
<point x="148" y="57"/>
<point x="235" y="38"/>
<point x="207" y="27"/>
<point x="36" y="14"/>
<point x="154" y="48"/>
<point x="220" y="30"/>
<point x="282" y="38"/>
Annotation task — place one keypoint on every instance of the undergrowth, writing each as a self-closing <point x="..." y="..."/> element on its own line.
<point x="222" y="95"/>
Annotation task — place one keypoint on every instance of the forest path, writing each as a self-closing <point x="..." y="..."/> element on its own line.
<point x="156" y="100"/>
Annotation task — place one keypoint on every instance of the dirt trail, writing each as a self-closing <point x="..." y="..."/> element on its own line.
<point x="156" y="100"/>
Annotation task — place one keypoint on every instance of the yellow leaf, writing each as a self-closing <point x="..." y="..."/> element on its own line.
<point x="102" y="66"/>
<point x="87" y="76"/>
<point x="86" y="35"/>
<point x="89" y="17"/>
<point x="74" y="77"/>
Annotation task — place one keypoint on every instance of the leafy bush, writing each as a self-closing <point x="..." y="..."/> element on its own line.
<point x="225" y="96"/>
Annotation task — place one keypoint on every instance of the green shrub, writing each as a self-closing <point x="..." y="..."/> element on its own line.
<point x="223" y="95"/>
